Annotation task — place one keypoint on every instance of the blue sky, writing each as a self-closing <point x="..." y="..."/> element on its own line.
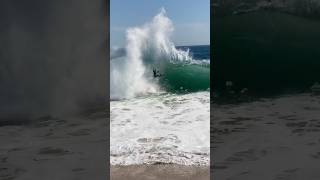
<point x="191" y="19"/>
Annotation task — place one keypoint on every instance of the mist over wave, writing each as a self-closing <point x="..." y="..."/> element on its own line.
<point x="147" y="47"/>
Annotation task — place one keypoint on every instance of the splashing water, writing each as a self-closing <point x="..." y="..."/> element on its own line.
<point x="148" y="45"/>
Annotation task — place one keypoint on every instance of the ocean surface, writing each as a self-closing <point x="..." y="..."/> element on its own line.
<point x="161" y="119"/>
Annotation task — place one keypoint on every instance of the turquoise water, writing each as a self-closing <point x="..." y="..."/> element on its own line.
<point x="180" y="77"/>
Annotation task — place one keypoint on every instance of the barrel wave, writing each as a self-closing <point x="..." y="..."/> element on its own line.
<point x="149" y="48"/>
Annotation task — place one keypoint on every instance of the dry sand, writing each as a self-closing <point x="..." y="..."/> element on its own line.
<point x="270" y="139"/>
<point x="160" y="172"/>
<point x="56" y="149"/>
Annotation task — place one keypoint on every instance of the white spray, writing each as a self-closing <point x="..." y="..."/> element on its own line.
<point x="128" y="75"/>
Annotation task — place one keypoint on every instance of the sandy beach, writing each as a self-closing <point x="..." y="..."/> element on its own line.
<point x="56" y="149"/>
<point x="273" y="138"/>
<point x="160" y="172"/>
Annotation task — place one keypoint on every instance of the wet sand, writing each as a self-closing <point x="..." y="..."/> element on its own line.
<point x="160" y="172"/>
<point x="269" y="139"/>
<point x="55" y="148"/>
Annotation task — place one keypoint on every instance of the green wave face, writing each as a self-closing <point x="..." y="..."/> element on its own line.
<point x="185" y="77"/>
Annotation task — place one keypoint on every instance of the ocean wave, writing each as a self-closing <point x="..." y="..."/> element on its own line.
<point x="149" y="47"/>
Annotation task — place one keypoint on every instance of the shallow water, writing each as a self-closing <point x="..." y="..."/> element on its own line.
<point x="163" y="128"/>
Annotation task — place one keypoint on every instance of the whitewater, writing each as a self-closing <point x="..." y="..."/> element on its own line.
<point x="162" y="119"/>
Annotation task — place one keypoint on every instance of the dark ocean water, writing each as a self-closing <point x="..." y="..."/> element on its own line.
<point x="198" y="52"/>
<point x="267" y="52"/>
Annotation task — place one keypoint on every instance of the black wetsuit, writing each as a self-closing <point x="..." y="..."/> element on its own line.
<point x="154" y="73"/>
